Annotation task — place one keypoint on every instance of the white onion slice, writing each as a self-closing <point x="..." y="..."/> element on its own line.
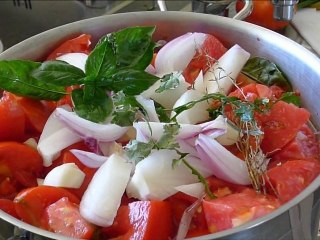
<point x="89" y="159"/>
<point x="88" y="129"/>
<point x="101" y="200"/>
<point x="109" y="148"/>
<point x="75" y="59"/>
<point x="198" y="113"/>
<point x="149" y="107"/>
<point x="168" y="97"/>
<point x="223" y="163"/>
<point x="54" y="138"/>
<point x="176" y="54"/>
<point x="199" y="83"/>
<point x="157" y="176"/>
<point x="151" y="69"/>
<point x="66" y="175"/>
<point x="221" y="76"/>
<point x="31" y="142"/>
<point x="195" y="189"/>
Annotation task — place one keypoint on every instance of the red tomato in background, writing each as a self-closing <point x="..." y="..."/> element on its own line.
<point x="20" y="163"/>
<point x="262" y="15"/>
<point x="79" y="44"/>
<point x="31" y="203"/>
<point x="64" y="218"/>
<point x="7" y="206"/>
<point x="290" y="178"/>
<point x="211" y="50"/>
<point x="12" y="118"/>
<point x="237" y="208"/>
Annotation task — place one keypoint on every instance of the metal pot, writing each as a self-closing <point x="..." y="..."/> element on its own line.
<point x="297" y="219"/>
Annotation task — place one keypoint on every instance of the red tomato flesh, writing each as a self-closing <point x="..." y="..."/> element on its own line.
<point x="64" y="218"/>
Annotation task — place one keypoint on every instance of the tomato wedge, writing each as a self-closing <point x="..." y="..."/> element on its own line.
<point x="237" y="208"/>
<point x="211" y="50"/>
<point x="141" y="220"/>
<point x="290" y="178"/>
<point x="12" y="119"/>
<point x="31" y="203"/>
<point x="79" y="44"/>
<point x="64" y="218"/>
<point x="7" y="206"/>
<point x="21" y="162"/>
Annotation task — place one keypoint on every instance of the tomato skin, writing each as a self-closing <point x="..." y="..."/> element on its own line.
<point x="290" y="178"/>
<point x="21" y="162"/>
<point x="79" y="44"/>
<point x="64" y="218"/>
<point x="142" y="220"/>
<point x="237" y="208"/>
<point x="31" y="203"/>
<point x="7" y="206"/>
<point x="12" y="119"/>
<point x="262" y="15"/>
<point x="211" y="50"/>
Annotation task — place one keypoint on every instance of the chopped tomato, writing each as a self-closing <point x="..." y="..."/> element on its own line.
<point x="142" y="220"/>
<point x="237" y="208"/>
<point x="7" y="206"/>
<point x="304" y="146"/>
<point x="36" y="112"/>
<point x="281" y="125"/>
<point x="79" y="44"/>
<point x="9" y="187"/>
<point x="179" y="203"/>
<point x="221" y="188"/>
<point x="211" y="50"/>
<point x="31" y="203"/>
<point x="290" y="178"/>
<point x="21" y="162"/>
<point x="64" y="218"/>
<point x="12" y="118"/>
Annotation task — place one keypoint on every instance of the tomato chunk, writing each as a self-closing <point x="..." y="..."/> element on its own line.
<point x="79" y="44"/>
<point x="20" y="162"/>
<point x="64" y="218"/>
<point x="12" y="118"/>
<point x="7" y="206"/>
<point x="238" y="208"/>
<point x="31" y="203"/>
<point x="290" y="178"/>
<point x="142" y="220"/>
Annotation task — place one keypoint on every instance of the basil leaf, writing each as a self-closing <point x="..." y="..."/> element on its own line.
<point x="15" y="77"/>
<point x="130" y="81"/>
<point x="133" y="47"/>
<point x="96" y="110"/>
<point x="101" y="61"/>
<point x="58" y="73"/>
<point x="291" y="97"/>
<point x="266" y="72"/>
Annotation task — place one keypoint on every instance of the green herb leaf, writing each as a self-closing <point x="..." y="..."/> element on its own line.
<point x="101" y="61"/>
<point x="168" y="138"/>
<point x="130" y="81"/>
<point x="125" y="109"/>
<point x="163" y="113"/>
<point x="137" y="151"/>
<point x="96" y="110"/>
<point x="15" y="77"/>
<point x="133" y="47"/>
<point x="167" y="82"/>
<point x="58" y="73"/>
<point x="291" y="97"/>
<point x="266" y="72"/>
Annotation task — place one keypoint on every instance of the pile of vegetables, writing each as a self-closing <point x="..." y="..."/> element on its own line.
<point x="136" y="138"/>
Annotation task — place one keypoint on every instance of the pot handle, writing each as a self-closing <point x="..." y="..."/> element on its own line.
<point x="245" y="11"/>
<point x="162" y="5"/>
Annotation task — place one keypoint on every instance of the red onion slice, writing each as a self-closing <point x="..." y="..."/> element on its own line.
<point x="87" y="129"/>
<point x="223" y="163"/>
<point x="89" y="159"/>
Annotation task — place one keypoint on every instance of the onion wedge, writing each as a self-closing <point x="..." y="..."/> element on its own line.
<point x="223" y="163"/>
<point x="101" y="200"/>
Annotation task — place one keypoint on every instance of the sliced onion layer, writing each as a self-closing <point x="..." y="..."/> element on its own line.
<point x="89" y="159"/>
<point x="87" y="129"/>
<point x="75" y="59"/>
<point x="223" y="163"/>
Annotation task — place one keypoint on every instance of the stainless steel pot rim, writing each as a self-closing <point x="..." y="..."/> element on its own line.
<point x="300" y="52"/>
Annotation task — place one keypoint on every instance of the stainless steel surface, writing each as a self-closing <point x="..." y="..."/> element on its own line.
<point x="25" y="3"/>
<point x="293" y="217"/>
<point x="284" y="9"/>
<point x="245" y="11"/>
